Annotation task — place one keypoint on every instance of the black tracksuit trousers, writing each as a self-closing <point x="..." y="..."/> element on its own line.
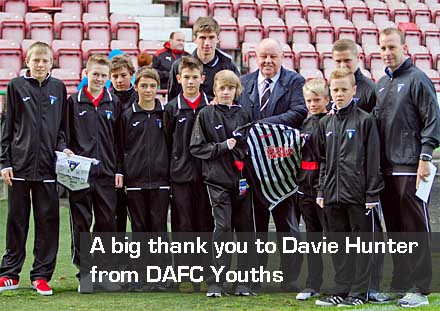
<point x="405" y="212"/>
<point x="97" y="202"/>
<point x="352" y="271"/>
<point x="47" y="221"/>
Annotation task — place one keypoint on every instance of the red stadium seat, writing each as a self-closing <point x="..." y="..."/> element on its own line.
<point x="197" y="9"/>
<point x="74" y="7"/>
<point x="344" y="29"/>
<point x="250" y="29"/>
<point x="325" y="55"/>
<point x="299" y="30"/>
<point x="89" y="47"/>
<point x="15" y="6"/>
<point x="39" y="26"/>
<point x="291" y="9"/>
<point x="357" y="10"/>
<point x="268" y="9"/>
<point x="97" y="27"/>
<point x="5" y="76"/>
<point x="305" y="56"/>
<point x="68" y="27"/>
<point x="69" y="77"/>
<point x="150" y="46"/>
<point x="309" y="74"/>
<point x="229" y="36"/>
<point x="420" y="56"/>
<point x="288" y="57"/>
<point x="367" y="33"/>
<point x="322" y="30"/>
<point x="399" y="12"/>
<point x="10" y="55"/>
<point x="124" y="27"/>
<point x="25" y="44"/>
<point x="99" y="7"/>
<point x="221" y="8"/>
<point x="12" y="26"/>
<point x="276" y="29"/>
<point x="67" y="55"/>
<point x="372" y="57"/>
<point x="127" y="47"/>
<point x="249" y="56"/>
<point x="431" y="35"/>
<point x="420" y="12"/>
<point x="245" y="8"/>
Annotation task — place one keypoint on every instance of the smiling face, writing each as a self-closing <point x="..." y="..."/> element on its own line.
<point x="342" y="91"/>
<point x="147" y="89"/>
<point x="39" y="62"/>
<point x="97" y="76"/>
<point x="392" y="51"/>
<point x="269" y="58"/>
<point x="190" y="79"/>
<point x="316" y="104"/>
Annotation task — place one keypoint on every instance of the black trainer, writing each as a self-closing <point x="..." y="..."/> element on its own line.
<point x="329" y="301"/>
<point x="351" y="302"/>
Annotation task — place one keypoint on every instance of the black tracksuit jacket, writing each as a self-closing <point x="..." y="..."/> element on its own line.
<point x="33" y="127"/>
<point x="220" y="62"/>
<point x="408" y="118"/>
<point x="126" y="98"/>
<point x="179" y="121"/>
<point x="92" y="133"/>
<point x="145" y="152"/>
<point x="308" y="180"/>
<point x="214" y="125"/>
<point x="349" y="149"/>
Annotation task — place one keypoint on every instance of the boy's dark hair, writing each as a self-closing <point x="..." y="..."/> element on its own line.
<point x="121" y="62"/>
<point x="391" y="30"/>
<point x="99" y="59"/>
<point x="205" y="24"/>
<point x="39" y="47"/>
<point x="189" y="62"/>
<point x="147" y="73"/>
<point x="345" y="45"/>
<point x="342" y="73"/>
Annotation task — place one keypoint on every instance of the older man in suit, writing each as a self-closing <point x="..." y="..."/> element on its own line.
<point x="273" y="94"/>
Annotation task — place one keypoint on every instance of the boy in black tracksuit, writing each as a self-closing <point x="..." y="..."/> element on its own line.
<point x="121" y="72"/>
<point x="146" y="161"/>
<point x="316" y="96"/>
<point x="212" y="141"/>
<point x="33" y="128"/>
<point x="93" y="114"/>
<point x="190" y="211"/>
<point x="349" y="185"/>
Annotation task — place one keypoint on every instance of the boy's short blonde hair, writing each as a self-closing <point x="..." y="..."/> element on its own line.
<point x="147" y="72"/>
<point x="205" y="24"/>
<point x="317" y="86"/>
<point x="228" y="78"/>
<point x="120" y="62"/>
<point x="98" y="59"/>
<point x="342" y="73"/>
<point x="39" y="47"/>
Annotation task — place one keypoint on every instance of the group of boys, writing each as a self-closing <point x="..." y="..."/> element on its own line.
<point x="197" y="156"/>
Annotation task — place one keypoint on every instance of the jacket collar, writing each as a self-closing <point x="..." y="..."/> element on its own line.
<point x="182" y="104"/>
<point x="138" y="109"/>
<point x="347" y="108"/>
<point x="407" y="63"/>
<point x="27" y="76"/>
<point x="82" y="97"/>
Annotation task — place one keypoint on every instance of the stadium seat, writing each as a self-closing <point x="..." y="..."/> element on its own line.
<point x="431" y="35"/>
<point x="89" y="47"/>
<point x="309" y="74"/>
<point x="325" y="54"/>
<point x="420" y="13"/>
<point x="322" y="31"/>
<point x="268" y="9"/>
<point x="15" y="6"/>
<point x="372" y="57"/>
<point x="127" y="47"/>
<point x="245" y="8"/>
<point x="357" y="10"/>
<point x="39" y="26"/>
<point x="68" y="27"/>
<point x="221" y="8"/>
<point x="229" y="36"/>
<point x="385" y="24"/>
<point x="305" y="56"/>
<point x="5" y="76"/>
<point x="291" y="9"/>
<point x="413" y="36"/>
<point x="12" y="26"/>
<point x="69" y="77"/>
<point x="97" y="27"/>
<point x="288" y="57"/>
<point x="250" y="29"/>
<point x="67" y="55"/>
<point x="249" y="57"/>
<point x="377" y="73"/>
<point x="299" y="30"/>
<point x="124" y="27"/>
<point x="435" y="78"/>
<point x="367" y="32"/>
<point x="399" y="12"/>
<point x="74" y="7"/>
<point x="420" y="56"/>
<point x="276" y="29"/>
<point x="99" y="7"/>
<point x="10" y="55"/>
<point x="150" y="46"/>
<point x="344" y="29"/>
<point x="197" y="9"/>
<point x="435" y="53"/>
<point x="25" y="44"/>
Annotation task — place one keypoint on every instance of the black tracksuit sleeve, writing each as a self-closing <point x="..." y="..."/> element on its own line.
<point x="69" y="129"/>
<point x="322" y="159"/>
<point x="425" y="96"/>
<point x="169" y="125"/>
<point x="7" y="128"/>
<point x="173" y="86"/>
<point x="200" y="148"/>
<point x="61" y="137"/>
<point x="374" y="183"/>
<point x="163" y="74"/>
<point x="118" y="146"/>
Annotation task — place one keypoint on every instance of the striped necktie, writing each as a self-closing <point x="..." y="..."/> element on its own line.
<point x="266" y="94"/>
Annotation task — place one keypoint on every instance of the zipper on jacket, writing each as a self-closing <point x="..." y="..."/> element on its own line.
<point x="148" y="156"/>
<point x="38" y="120"/>
<point x="97" y="138"/>
<point x="338" y="146"/>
